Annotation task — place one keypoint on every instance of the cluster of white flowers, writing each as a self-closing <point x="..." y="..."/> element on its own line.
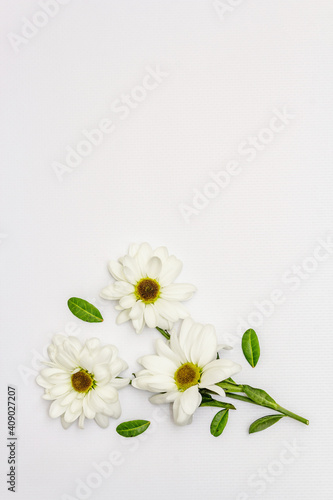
<point x="82" y="381"/>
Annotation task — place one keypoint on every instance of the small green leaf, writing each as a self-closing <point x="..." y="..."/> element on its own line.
<point x="84" y="310"/>
<point x="207" y="400"/>
<point x="251" y="347"/>
<point x="132" y="428"/>
<point x="264" y="422"/>
<point x="260" y="397"/>
<point x="219" y="422"/>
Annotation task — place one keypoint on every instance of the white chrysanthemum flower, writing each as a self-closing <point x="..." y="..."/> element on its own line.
<point x="145" y="288"/>
<point x="82" y="381"/>
<point x="182" y="366"/>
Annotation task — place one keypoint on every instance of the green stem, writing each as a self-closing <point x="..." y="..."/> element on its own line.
<point x="164" y="333"/>
<point x="278" y="408"/>
<point x="292" y="415"/>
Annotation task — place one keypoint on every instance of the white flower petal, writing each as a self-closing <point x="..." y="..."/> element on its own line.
<point x="101" y="372"/>
<point x="110" y="293"/>
<point x="158" y="364"/>
<point x="59" y="390"/>
<point x="69" y="398"/>
<point x="64" y="423"/>
<point x="204" y="348"/>
<point x="175" y="346"/>
<point x="130" y="275"/>
<point x="43" y="382"/>
<point x="108" y="393"/>
<point x="178" y="291"/>
<point x="127" y="301"/>
<point x="155" y="383"/>
<point x="216" y="372"/>
<point x="167" y="309"/>
<point x="106" y="354"/>
<point x="62" y="359"/>
<point x="76" y="405"/>
<point x="86" y="360"/>
<point x="162" y="253"/>
<point x="118" y="365"/>
<point x="87" y="408"/>
<point x="102" y="420"/>
<point x="190" y="399"/>
<point x="93" y="345"/>
<point x="163" y="349"/>
<point x="56" y="409"/>
<point x="143" y="255"/>
<point x="163" y="322"/>
<point x="150" y="316"/>
<point x="166" y="397"/>
<point x="137" y="310"/>
<point x="154" y="266"/>
<point x="116" y="270"/>
<point x="133" y="249"/>
<point x="170" y="270"/>
<point x="215" y="388"/>
<point x="81" y="420"/>
<point x="120" y="382"/>
<point x="138" y="324"/>
<point x="224" y="364"/>
<point x="75" y="343"/>
<point x="131" y="269"/>
<point x="113" y="410"/>
<point x="70" y="416"/>
<point x="179" y="416"/>
<point x="95" y="401"/>
<point x="188" y="334"/>
<point x="123" y="316"/>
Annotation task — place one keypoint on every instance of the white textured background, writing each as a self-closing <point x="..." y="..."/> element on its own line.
<point x="227" y="76"/>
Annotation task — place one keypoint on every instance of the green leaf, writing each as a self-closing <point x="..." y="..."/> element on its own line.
<point x="264" y="422"/>
<point x="219" y="422"/>
<point x="132" y="428"/>
<point x="251" y="347"/>
<point x="260" y="397"/>
<point x="84" y="310"/>
<point x="207" y="400"/>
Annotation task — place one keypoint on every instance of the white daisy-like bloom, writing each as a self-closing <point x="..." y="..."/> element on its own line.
<point x="145" y="288"/>
<point x="82" y="381"/>
<point x="182" y="366"/>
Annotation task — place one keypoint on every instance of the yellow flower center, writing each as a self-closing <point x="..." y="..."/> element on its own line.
<point x="147" y="290"/>
<point x="187" y="375"/>
<point x="82" y="381"/>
